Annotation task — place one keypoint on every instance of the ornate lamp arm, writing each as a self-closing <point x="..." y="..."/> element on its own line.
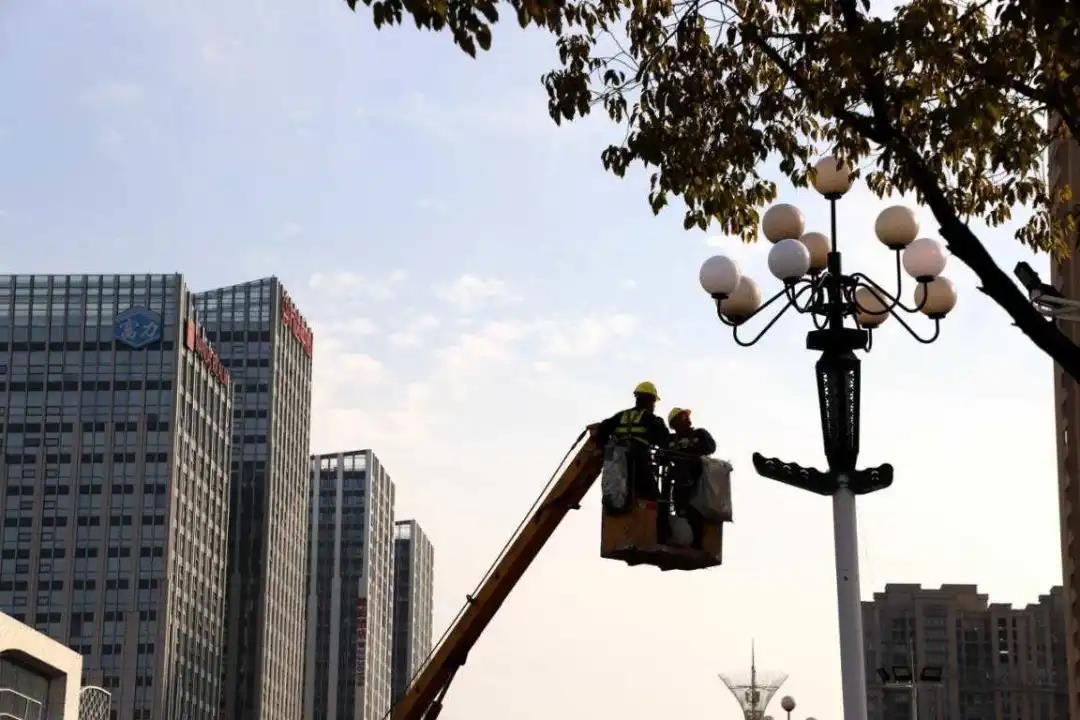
<point x="923" y="340"/>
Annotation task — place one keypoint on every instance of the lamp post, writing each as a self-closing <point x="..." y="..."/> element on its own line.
<point x="845" y="309"/>
<point x="788" y="704"/>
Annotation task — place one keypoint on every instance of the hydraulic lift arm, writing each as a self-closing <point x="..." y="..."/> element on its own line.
<point x="423" y="701"/>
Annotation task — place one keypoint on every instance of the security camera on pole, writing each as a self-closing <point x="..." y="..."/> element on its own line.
<point x="809" y="266"/>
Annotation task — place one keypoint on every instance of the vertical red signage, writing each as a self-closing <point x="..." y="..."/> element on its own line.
<point x="193" y="340"/>
<point x="292" y="319"/>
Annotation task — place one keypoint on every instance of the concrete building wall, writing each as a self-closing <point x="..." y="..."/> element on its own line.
<point x="30" y="656"/>
<point x="1065" y="276"/>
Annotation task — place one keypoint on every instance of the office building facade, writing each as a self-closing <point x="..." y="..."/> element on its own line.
<point x="1064" y="165"/>
<point x="995" y="662"/>
<point x="267" y="346"/>
<point x="350" y="595"/>
<point x="414" y="587"/>
<point x="114" y="417"/>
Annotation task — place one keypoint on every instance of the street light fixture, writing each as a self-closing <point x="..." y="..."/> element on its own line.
<point x="845" y="309"/>
<point x="788" y="704"/>
<point x="903" y="678"/>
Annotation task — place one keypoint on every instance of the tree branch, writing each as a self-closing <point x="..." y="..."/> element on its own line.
<point x="961" y="240"/>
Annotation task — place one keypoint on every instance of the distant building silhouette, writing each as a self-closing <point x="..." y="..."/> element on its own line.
<point x="414" y="583"/>
<point x="995" y="662"/>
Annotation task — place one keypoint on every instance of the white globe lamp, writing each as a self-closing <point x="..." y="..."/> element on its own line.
<point x="719" y="276"/>
<point x="936" y="298"/>
<point x="819" y="246"/>
<point x="896" y="227"/>
<point x="832" y="177"/>
<point x="782" y="222"/>
<point x="789" y="260"/>
<point x="871" y="309"/>
<point x="743" y="302"/>
<point x="924" y="259"/>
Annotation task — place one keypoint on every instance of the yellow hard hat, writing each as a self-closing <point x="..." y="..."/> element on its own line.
<point x="646" y="388"/>
<point x="676" y="412"/>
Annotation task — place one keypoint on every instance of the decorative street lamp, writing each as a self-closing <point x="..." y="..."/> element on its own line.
<point x="845" y="310"/>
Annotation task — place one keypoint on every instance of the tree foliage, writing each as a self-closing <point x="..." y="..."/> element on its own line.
<point x="946" y="99"/>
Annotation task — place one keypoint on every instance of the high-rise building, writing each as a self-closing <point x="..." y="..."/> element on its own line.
<point x="350" y="595"/>
<point x="1065" y="173"/>
<point x="114" y="417"/>
<point x="995" y="662"/>
<point x="414" y="586"/>
<point x="267" y="347"/>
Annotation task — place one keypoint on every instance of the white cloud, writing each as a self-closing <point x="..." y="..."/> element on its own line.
<point x="350" y="327"/>
<point x="492" y="343"/>
<point x="716" y="241"/>
<point x="434" y="205"/>
<point x="113" y="95"/>
<point x="411" y="334"/>
<point x="362" y="369"/>
<point x="586" y="337"/>
<point x="291" y="231"/>
<point x="345" y="284"/>
<point x="470" y="292"/>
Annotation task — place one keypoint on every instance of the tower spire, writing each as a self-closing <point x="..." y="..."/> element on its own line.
<point x="753" y="665"/>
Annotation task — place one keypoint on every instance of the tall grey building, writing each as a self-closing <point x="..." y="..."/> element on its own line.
<point x="350" y="594"/>
<point x="997" y="663"/>
<point x="414" y="585"/>
<point x="267" y="347"/>
<point x="114" y="417"/>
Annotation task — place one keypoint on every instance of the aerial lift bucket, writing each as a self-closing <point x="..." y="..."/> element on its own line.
<point x="633" y="537"/>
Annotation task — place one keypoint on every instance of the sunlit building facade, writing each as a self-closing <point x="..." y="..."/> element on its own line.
<point x="115" y="417"/>
<point x="414" y="587"/>
<point x="267" y="346"/>
<point x="350" y="594"/>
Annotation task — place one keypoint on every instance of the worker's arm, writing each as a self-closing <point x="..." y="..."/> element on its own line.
<point x="603" y="430"/>
<point x="705" y="444"/>
<point x="658" y="433"/>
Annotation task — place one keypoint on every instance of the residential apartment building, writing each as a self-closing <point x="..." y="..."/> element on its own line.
<point x="115" y="420"/>
<point x="350" y="593"/>
<point x="995" y="662"/>
<point x="414" y="587"/>
<point x="267" y="346"/>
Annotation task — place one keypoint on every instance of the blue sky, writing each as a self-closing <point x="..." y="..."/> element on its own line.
<point x="480" y="289"/>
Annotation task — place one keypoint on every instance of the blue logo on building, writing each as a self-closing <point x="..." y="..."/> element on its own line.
<point x="137" y="327"/>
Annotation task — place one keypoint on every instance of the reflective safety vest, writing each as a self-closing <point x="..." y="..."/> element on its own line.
<point x="631" y="427"/>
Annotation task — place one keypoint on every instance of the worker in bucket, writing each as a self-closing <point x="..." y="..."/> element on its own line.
<point x="641" y="431"/>
<point x="687" y="446"/>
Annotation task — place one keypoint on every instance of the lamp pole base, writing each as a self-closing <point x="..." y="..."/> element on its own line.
<point x="849" y="604"/>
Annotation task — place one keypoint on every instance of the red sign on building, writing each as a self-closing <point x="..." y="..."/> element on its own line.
<point x="295" y="322"/>
<point x="194" y="341"/>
